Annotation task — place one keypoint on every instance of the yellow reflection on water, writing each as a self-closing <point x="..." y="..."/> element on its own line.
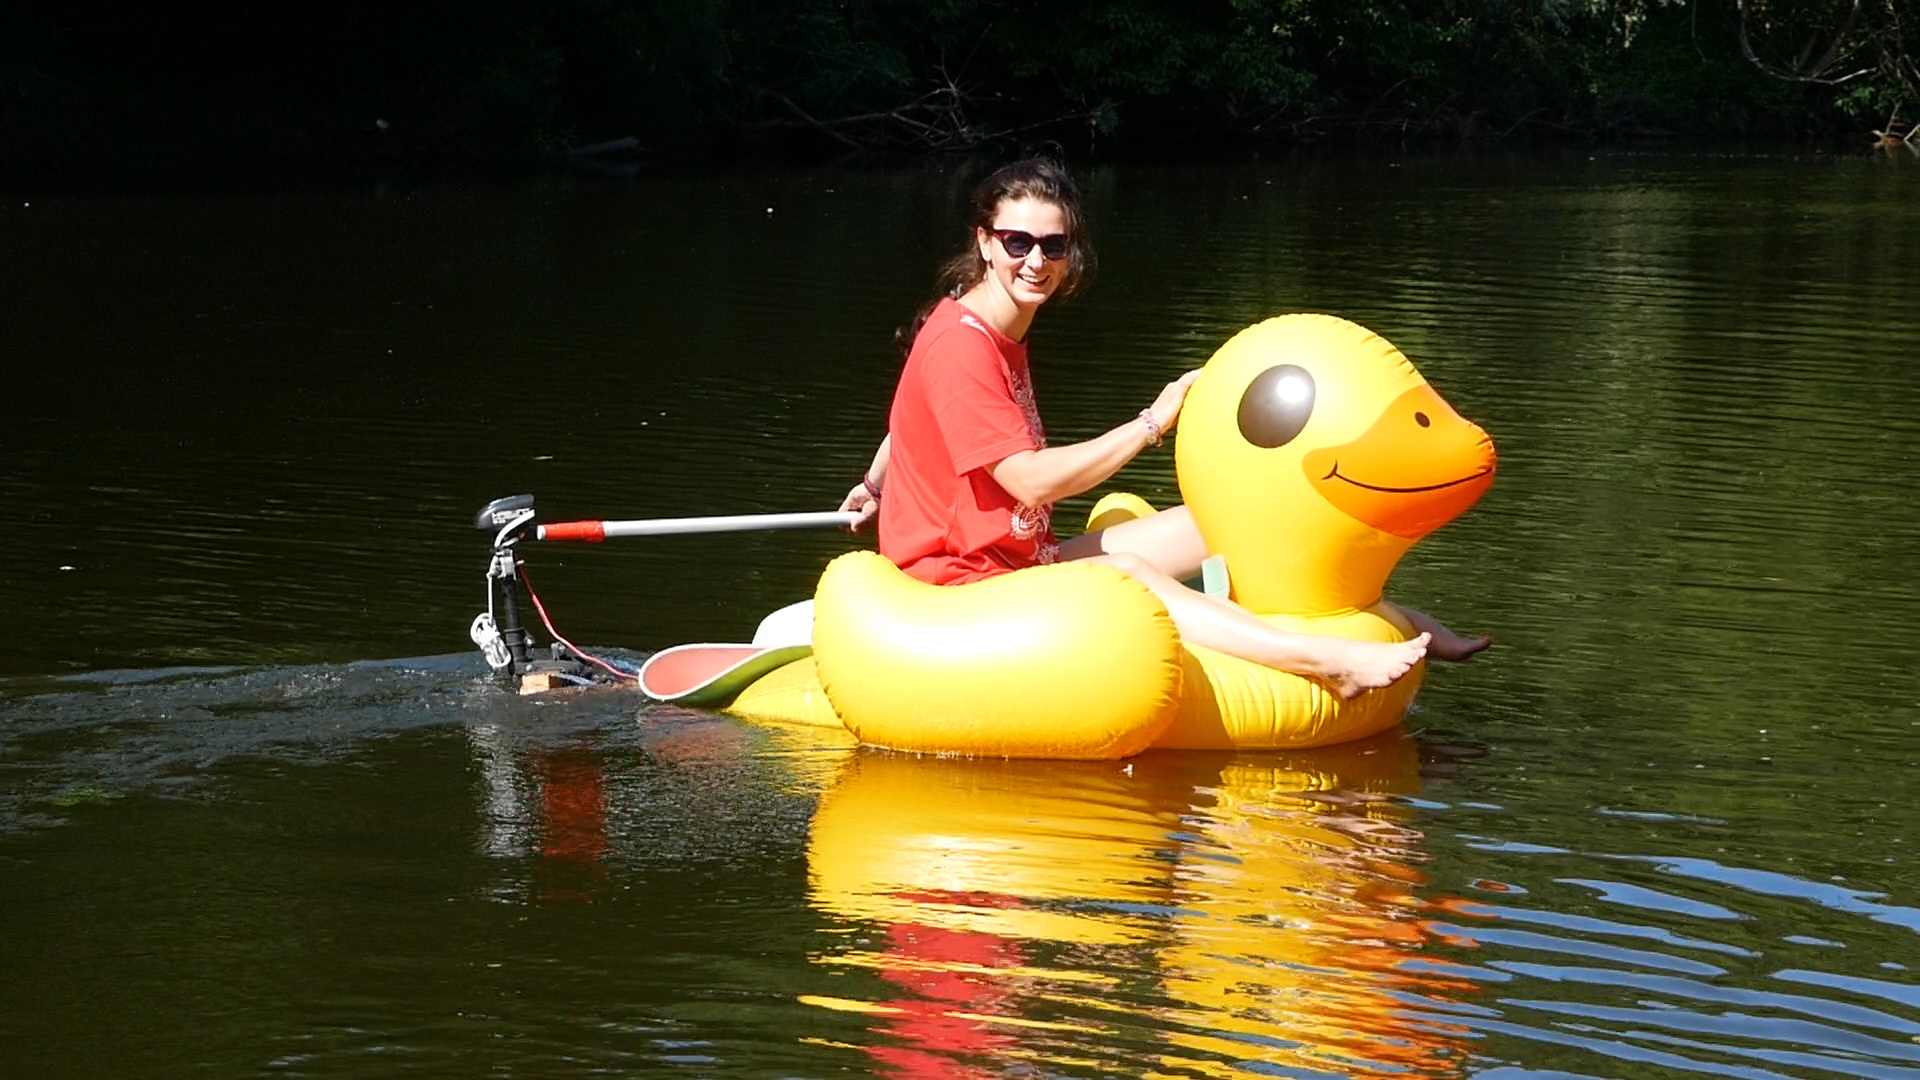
<point x="1180" y="914"/>
<point x="1299" y="918"/>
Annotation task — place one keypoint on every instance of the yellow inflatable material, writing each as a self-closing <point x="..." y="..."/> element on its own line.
<point x="788" y="695"/>
<point x="1366" y="459"/>
<point x="1312" y="456"/>
<point x="1067" y="661"/>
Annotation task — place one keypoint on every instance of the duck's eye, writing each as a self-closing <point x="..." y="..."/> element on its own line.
<point x="1276" y="406"/>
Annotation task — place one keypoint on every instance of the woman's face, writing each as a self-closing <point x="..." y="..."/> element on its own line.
<point x="1028" y="280"/>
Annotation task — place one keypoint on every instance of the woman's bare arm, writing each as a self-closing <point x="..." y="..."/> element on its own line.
<point x="1042" y="477"/>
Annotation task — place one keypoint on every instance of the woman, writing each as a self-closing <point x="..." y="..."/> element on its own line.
<point x="969" y="481"/>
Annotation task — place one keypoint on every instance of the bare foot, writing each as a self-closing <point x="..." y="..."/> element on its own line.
<point x="1359" y="666"/>
<point x="1448" y="645"/>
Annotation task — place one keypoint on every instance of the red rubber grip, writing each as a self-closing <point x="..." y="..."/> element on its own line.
<point x="591" y="531"/>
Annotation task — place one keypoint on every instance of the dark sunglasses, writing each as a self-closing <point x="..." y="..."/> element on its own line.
<point x="1053" y="247"/>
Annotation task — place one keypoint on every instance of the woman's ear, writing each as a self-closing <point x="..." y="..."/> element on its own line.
<point x="983" y="240"/>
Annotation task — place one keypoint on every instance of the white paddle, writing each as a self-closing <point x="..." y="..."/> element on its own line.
<point x="593" y="532"/>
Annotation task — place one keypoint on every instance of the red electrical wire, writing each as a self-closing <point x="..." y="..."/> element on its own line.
<point x="577" y="650"/>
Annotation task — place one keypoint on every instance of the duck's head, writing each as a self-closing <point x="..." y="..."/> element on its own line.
<point x="1313" y="455"/>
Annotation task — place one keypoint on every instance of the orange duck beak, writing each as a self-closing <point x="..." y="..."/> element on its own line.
<point x="1418" y="467"/>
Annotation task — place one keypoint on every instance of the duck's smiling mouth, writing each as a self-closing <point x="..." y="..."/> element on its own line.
<point x="1427" y="464"/>
<point x="1335" y="474"/>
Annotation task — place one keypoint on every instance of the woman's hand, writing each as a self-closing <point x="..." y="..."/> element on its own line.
<point x="1166" y="407"/>
<point x="863" y="501"/>
<point x="865" y="495"/>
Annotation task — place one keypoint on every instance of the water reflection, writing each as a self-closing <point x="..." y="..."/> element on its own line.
<point x="546" y="800"/>
<point x="1189" y="915"/>
<point x="1300" y="941"/>
<point x="559" y="806"/>
<point x="987" y="892"/>
<point x="1244" y="913"/>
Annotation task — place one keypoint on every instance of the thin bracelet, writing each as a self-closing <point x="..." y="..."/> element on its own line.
<point x="1153" y="427"/>
<point x="873" y="489"/>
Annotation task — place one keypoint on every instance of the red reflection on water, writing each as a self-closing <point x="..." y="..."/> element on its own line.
<point x="953" y="977"/>
<point x="573" y="822"/>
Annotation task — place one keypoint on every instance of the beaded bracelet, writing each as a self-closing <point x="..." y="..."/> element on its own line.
<point x="1154" y="432"/>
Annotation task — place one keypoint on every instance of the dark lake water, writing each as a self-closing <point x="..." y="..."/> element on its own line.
<point x="262" y="811"/>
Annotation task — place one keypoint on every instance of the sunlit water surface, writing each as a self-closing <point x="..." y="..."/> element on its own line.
<point x="1663" y="828"/>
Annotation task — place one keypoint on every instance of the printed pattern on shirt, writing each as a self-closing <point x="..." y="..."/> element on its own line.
<point x="1026" y="522"/>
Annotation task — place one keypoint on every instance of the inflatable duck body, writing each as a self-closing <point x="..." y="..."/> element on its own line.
<point x="1312" y="456"/>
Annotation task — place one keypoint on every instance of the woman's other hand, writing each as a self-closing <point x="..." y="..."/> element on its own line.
<point x="861" y="501"/>
<point x="1166" y="407"/>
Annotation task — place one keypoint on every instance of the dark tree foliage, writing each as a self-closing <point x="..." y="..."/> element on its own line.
<point x="112" y="80"/>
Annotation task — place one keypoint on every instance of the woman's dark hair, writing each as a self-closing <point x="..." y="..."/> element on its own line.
<point x="1040" y="179"/>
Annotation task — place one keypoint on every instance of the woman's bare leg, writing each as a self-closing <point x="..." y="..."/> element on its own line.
<point x="1350" y="667"/>
<point x="1169" y="541"/>
<point x="1162" y="548"/>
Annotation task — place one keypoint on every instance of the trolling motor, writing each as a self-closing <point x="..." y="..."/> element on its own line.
<point x="506" y="644"/>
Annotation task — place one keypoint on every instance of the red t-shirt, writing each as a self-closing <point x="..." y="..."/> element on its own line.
<point x="964" y="404"/>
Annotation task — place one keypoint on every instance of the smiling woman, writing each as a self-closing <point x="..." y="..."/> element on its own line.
<point x="964" y="483"/>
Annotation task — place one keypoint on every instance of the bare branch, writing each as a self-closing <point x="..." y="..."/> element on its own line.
<point x="808" y="120"/>
<point x="1803" y="71"/>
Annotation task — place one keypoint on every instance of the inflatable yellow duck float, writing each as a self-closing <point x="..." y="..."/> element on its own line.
<point x="1312" y="456"/>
